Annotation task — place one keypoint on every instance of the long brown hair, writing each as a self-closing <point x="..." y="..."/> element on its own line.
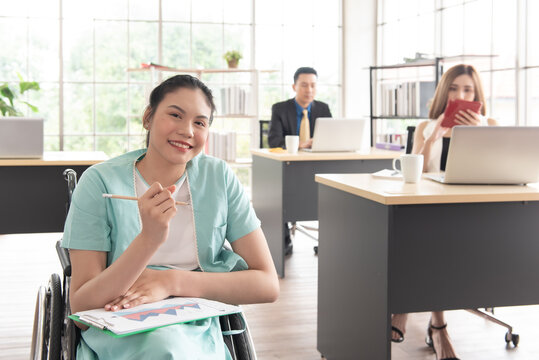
<point x="442" y="90"/>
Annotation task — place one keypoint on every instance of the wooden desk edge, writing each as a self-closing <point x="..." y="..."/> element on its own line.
<point x="418" y="199"/>
<point x="351" y="189"/>
<point x="373" y="154"/>
<point x="58" y="158"/>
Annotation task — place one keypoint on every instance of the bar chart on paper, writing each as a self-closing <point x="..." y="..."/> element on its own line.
<point x="146" y="317"/>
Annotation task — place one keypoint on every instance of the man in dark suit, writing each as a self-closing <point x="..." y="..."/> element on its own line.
<point x="288" y="116"/>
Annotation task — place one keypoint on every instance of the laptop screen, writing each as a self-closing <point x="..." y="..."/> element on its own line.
<point x="339" y="134"/>
<point x="21" y="137"/>
<point x="493" y="155"/>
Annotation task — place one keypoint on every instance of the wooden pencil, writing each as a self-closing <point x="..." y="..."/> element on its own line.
<point x="123" y="197"/>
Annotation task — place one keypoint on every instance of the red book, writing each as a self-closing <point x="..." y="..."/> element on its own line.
<point x="454" y="107"/>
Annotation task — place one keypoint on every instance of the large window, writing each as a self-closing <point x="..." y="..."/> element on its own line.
<point x="291" y="34"/>
<point x="80" y="52"/>
<point x="448" y="28"/>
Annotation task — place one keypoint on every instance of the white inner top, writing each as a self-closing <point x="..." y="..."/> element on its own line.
<point x="179" y="250"/>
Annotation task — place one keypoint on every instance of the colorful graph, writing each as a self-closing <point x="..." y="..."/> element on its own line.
<point x="167" y="309"/>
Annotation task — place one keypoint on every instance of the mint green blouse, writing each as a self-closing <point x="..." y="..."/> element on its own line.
<point x="221" y="210"/>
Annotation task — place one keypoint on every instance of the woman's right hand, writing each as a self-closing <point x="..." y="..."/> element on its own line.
<point x="157" y="207"/>
<point x="438" y="131"/>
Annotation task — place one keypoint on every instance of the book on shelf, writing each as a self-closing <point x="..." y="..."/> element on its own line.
<point x="406" y="99"/>
<point x="147" y="317"/>
<point x="389" y="146"/>
<point x="222" y="144"/>
<point x="235" y="101"/>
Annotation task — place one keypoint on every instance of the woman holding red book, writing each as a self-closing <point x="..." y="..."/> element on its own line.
<point x="460" y="84"/>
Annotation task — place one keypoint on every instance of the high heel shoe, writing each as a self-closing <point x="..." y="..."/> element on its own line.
<point x="429" y="341"/>
<point x="399" y="332"/>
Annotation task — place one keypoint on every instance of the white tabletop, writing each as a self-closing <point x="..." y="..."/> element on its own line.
<point x="51" y="158"/>
<point x="396" y="192"/>
<point x="370" y="154"/>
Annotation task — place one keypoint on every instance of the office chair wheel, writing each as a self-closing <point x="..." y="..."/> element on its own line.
<point x="514" y="338"/>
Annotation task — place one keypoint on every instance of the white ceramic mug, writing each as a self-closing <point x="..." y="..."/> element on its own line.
<point x="292" y="143"/>
<point x="411" y="167"/>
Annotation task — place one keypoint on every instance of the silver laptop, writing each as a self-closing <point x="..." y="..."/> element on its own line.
<point x="21" y="137"/>
<point x="333" y="134"/>
<point x="492" y="155"/>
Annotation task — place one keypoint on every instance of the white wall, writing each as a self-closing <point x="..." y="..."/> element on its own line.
<point x="359" y="52"/>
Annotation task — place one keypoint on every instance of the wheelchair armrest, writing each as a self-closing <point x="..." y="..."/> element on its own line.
<point x="63" y="255"/>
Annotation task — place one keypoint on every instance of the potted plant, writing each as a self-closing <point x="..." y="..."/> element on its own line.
<point x="9" y="97"/>
<point x="232" y="57"/>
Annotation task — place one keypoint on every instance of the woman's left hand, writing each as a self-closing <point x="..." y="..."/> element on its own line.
<point x="151" y="286"/>
<point x="468" y="117"/>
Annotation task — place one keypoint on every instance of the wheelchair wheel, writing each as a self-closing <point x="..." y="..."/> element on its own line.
<point x="70" y="340"/>
<point x="55" y="317"/>
<point x="38" y="345"/>
<point x="71" y="333"/>
<point x="225" y="326"/>
<point x="244" y="349"/>
<point x="48" y="318"/>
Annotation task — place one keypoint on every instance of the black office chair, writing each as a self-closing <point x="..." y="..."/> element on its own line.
<point x="263" y="131"/>
<point x="488" y="313"/>
<point x="410" y="139"/>
<point x="55" y="336"/>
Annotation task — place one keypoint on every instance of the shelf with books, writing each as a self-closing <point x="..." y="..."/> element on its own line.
<point x="400" y="94"/>
<point x="236" y="99"/>
<point x="405" y="99"/>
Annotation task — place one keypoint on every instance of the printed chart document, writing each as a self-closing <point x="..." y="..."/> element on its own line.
<point x="147" y="317"/>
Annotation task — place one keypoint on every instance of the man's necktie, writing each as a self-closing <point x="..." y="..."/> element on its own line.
<point x="304" y="129"/>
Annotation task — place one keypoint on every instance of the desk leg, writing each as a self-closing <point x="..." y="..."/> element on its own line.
<point x="353" y="305"/>
<point x="268" y="204"/>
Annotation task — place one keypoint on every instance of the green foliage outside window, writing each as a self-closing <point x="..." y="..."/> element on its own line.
<point x="10" y="97"/>
<point x="99" y="103"/>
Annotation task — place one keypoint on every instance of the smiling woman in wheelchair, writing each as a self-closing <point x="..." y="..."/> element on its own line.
<point x="126" y="253"/>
